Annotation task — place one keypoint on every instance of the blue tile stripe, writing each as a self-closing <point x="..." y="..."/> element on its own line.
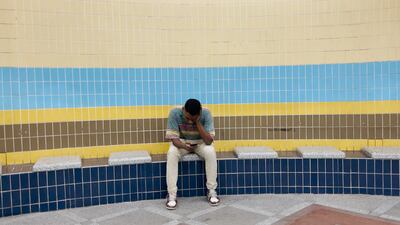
<point x="34" y="88"/>
<point x="71" y="188"/>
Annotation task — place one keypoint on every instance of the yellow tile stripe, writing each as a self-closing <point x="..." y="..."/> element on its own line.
<point x="161" y="148"/>
<point x="141" y="112"/>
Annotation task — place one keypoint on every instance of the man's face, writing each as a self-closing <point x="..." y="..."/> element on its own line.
<point x="189" y="118"/>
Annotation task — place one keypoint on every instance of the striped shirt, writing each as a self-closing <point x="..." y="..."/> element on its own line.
<point x="178" y="127"/>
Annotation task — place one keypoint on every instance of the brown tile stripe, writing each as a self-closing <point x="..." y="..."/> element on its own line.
<point x="113" y="132"/>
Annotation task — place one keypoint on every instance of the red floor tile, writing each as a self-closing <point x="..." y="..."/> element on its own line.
<point x="321" y="215"/>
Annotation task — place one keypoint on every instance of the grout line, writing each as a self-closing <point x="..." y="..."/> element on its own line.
<point x="113" y="215"/>
<point x="163" y="212"/>
<point x="386" y="206"/>
<point x="202" y="212"/>
<point x="253" y="210"/>
<point x="295" y="208"/>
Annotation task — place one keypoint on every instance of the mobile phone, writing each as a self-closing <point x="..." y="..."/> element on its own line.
<point x="193" y="144"/>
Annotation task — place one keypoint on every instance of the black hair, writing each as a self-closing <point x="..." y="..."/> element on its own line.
<point x="193" y="106"/>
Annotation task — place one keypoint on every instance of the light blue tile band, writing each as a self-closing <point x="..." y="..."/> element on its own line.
<point x="34" y="88"/>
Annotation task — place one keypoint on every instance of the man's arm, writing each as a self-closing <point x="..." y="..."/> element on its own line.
<point x="172" y="133"/>
<point x="207" y="138"/>
<point x="179" y="144"/>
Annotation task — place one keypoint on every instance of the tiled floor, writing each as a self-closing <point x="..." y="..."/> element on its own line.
<point x="322" y="215"/>
<point x="244" y="209"/>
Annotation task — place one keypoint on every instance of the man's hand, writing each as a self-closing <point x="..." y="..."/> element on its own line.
<point x="179" y="144"/>
<point x="190" y="147"/>
<point x="204" y="135"/>
<point x="196" y="119"/>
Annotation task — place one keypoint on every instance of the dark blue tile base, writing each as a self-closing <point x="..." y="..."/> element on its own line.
<point x="62" y="189"/>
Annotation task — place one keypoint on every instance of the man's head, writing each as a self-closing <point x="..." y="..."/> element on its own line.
<point x="192" y="108"/>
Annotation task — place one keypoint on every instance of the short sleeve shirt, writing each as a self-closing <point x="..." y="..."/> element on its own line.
<point x="178" y="127"/>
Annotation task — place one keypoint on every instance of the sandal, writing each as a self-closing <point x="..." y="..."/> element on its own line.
<point x="171" y="203"/>
<point x="213" y="199"/>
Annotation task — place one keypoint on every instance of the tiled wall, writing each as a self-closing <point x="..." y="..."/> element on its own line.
<point x="93" y="77"/>
<point x="71" y="188"/>
<point x="30" y="137"/>
<point x="189" y="33"/>
<point x="58" y="109"/>
<point x="52" y="88"/>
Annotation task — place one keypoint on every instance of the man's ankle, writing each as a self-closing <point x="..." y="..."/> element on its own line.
<point x="172" y="196"/>
<point x="212" y="192"/>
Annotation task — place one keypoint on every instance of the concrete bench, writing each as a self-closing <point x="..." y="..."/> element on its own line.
<point x="131" y="157"/>
<point x="382" y="152"/>
<point x="57" y="163"/>
<point x="191" y="157"/>
<point x="261" y="152"/>
<point x="320" y="152"/>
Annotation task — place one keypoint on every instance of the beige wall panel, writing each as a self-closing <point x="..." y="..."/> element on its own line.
<point x="7" y="16"/>
<point x="7" y="31"/>
<point x="7" y="59"/>
<point x="192" y="33"/>
<point x="7" y="4"/>
<point x="7" y="45"/>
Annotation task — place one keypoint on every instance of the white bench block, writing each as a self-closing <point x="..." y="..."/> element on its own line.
<point x="382" y="152"/>
<point x="191" y="157"/>
<point x="320" y="152"/>
<point x="131" y="157"/>
<point x="261" y="152"/>
<point x="57" y="163"/>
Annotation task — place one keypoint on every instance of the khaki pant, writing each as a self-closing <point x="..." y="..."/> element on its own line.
<point x="207" y="152"/>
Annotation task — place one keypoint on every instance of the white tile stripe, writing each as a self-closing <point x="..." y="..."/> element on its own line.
<point x="269" y="221"/>
<point x="194" y="222"/>
<point x="173" y="222"/>
<point x="361" y="211"/>
<point x="390" y="217"/>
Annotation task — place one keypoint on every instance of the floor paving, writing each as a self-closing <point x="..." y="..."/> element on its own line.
<point x="242" y="209"/>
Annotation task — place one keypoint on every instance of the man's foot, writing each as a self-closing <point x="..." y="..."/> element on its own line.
<point x="212" y="198"/>
<point x="171" y="203"/>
